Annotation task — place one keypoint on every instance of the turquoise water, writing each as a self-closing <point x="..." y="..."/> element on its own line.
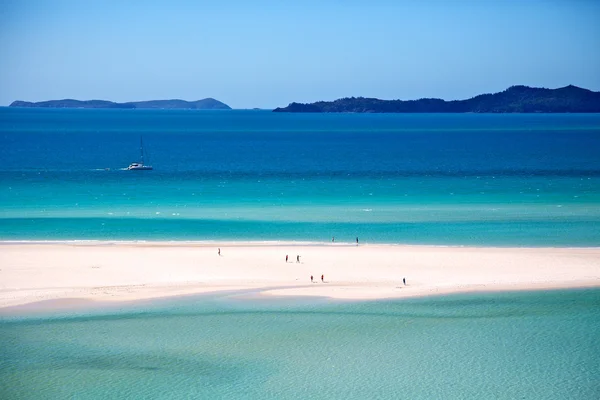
<point x="538" y="345"/>
<point x="501" y="180"/>
<point x="466" y="179"/>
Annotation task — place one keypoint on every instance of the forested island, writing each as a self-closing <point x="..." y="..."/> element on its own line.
<point x="516" y="99"/>
<point x="204" y="104"/>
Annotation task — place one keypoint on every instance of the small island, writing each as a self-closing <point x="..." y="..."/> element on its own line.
<point x="516" y="99"/>
<point x="176" y="104"/>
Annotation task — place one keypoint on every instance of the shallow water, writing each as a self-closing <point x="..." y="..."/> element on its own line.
<point x="527" y="345"/>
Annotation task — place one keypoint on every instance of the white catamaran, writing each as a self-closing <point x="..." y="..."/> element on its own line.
<point x="140" y="166"/>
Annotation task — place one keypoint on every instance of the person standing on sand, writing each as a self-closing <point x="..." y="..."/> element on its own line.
<point x="219" y="251"/>
<point x="311" y="279"/>
<point x="404" y="281"/>
<point x="323" y="278"/>
<point x="286" y="258"/>
<point x="297" y="259"/>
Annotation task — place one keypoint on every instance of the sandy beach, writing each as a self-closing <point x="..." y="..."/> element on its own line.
<point x="113" y="272"/>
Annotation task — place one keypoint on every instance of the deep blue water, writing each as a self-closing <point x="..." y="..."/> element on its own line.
<point x="239" y="175"/>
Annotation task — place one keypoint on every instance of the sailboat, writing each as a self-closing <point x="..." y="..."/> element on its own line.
<point x="140" y="166"/>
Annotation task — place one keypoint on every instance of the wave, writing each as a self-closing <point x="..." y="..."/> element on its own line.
<point x="319" y="174"/>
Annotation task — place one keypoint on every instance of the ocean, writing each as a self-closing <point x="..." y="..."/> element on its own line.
<point x="443" y="179"/>
<point x="539" y="345"/>
<point x="476" y="180"/>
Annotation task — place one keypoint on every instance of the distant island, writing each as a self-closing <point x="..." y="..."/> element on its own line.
<point x="516" y="99"/>
<point x="204" y="104"/>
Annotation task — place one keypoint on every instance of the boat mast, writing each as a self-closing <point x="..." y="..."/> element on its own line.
<point x="142" y="150"/>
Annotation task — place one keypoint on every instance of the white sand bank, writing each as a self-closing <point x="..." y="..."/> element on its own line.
<point x="129" y="271"/>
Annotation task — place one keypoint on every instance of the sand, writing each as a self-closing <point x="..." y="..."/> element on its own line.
<point x="120" y="272"/>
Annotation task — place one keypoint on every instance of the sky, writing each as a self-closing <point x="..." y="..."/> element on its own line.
<point x="267" y="54"/>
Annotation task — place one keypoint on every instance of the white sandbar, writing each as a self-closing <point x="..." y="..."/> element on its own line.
<point x="113" y="271"/>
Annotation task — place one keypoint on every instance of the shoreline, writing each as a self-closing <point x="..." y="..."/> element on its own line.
<point x="268" y="243"/>
<point x="61" y="307"/>
<point x="116" y="272"/>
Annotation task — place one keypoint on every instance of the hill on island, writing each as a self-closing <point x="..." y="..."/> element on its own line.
<point x="516" y="99"/>
<point x="204" y="104"/>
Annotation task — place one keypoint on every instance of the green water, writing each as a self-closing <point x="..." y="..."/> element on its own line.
<point x="538" y="345"/>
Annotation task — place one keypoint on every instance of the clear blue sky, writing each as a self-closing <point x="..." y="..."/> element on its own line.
<point x="268" y="54"/>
